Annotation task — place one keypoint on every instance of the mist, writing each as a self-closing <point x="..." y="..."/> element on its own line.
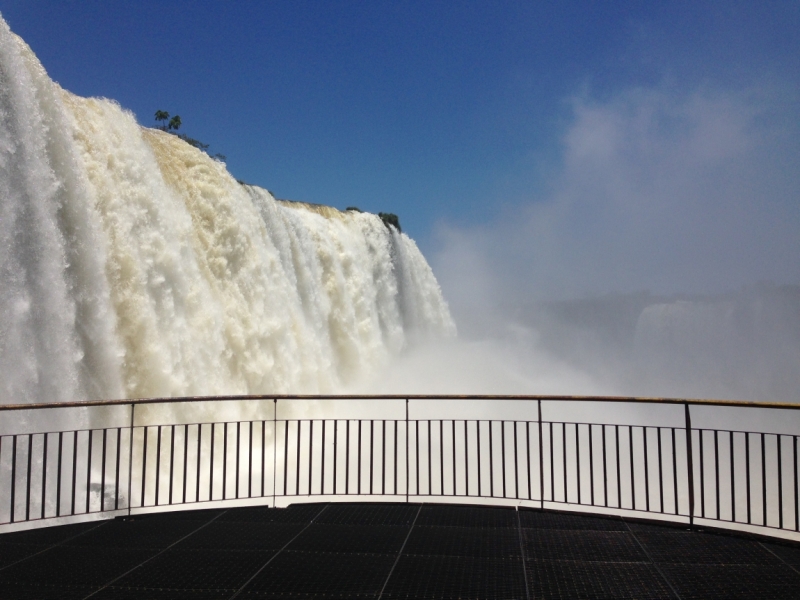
<point x="660" y="260"/>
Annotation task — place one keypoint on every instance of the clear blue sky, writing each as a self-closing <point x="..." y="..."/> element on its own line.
<point x="442" y="112"/>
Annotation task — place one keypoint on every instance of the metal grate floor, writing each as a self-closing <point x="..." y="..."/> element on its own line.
<point x="388" y="551"/>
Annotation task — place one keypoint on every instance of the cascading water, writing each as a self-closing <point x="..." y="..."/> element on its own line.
<point x="133" y="265"/>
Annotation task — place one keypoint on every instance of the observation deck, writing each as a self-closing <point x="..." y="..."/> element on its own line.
<point x="400" y="497"/>
<point x="386" y="550"/>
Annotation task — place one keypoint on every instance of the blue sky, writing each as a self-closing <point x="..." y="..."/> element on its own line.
<point x="471" y="120"/>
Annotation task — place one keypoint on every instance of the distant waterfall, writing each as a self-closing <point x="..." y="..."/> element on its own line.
<point x="133" y="265"/>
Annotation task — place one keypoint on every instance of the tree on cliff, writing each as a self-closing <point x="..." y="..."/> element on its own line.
<point x="172" y="125"/>
<point x="161" y="117"/>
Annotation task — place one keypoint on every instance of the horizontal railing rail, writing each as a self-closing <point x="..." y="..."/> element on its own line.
<point x="724" y="477"/>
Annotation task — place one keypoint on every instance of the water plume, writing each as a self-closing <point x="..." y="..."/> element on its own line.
<point x="134" y="265"/>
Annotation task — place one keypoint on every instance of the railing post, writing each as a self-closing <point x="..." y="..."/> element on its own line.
<point x="130" y="460"/>
<point x="541" y="457"/>
<point x="690" y="465"/>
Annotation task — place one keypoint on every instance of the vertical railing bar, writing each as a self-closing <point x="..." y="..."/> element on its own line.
<point x="310" y="454"/>
<point x="491" y="461"/>
<point x="144" y="464"/>
<point x="619" y="469"/>
<point x="199" y="450"/>
<point x="238" y="457"/>
<point x="633" y="478"/>
<point x="211" y="463"/>
<point x="689" y="462"/>
<point x="383" y="457"/>
<point x="430" y="461"/>
<point x="733" y="478"/>
<point x="660" y="473"/>
<point x="250" y="460"/>
<point x="716" y="469"/>
<point x="394" y="489"/>
<point x="578" y="459"/>
<point x="702" y="468"/>
<point x="779" y="448"/>
<point x="528" y="461"/>
<point x="552" y="468"/>
<point x="674" y="471"/>
<point x="116" y="471"/>
<point x="358" y="483"/>
<point x="90" y="432"/>
<point x="28" y="478"/>
<point x="274" y="452"/>
<point x="158" y="465"/>
<point x="130" y="461"/>
<point x="322" y="470"/>
<point x="763" y="482"/>
<point x="646" y="471"/>
<point x="347" y="460"/>
<point x="225" y="461"/>
<point x="285" y="456"/>
<point x="416" y="424"/>
<point x="185" y="461"/>
<point x="102" y="475"/>
<point x="591" y="465"/>
<point x="516" y="465"/>
<point x="371" y="452"/>
<point x="466" y="458"/>
<point x="605" y="467"/>
<point x="297" y="455"/>
<point x="747" y="474"/>
<point x="335" y="450"/>
<point x="541" y="456"/>
<point x="441" y="457"/>
<point x="14" y="477"/>
<point x="503" y="454"/>
<point x="478" y="446"/>
<point x="171" y="462"/>
<point x="407" y="450"/>
<point x="58" y="474"/>
<point x="564" y="460"/>
<point x="264" y="457"/>
<point x="453" y="428"/>
<point x="44" y="472"/>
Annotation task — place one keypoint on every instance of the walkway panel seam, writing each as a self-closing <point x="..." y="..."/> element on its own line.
<point x="56" y="545"/>
<point x="522" y="552"/>
<point x="157" y="554"/>
<point x="266" y="564"/>
<point x="400" y="553"/>
<point x="652" y="562"/>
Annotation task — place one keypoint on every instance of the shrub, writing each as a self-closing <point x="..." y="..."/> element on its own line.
<point x="390" y="219"/>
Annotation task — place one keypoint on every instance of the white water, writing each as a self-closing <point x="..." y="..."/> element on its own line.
<point x="134" y="265"/>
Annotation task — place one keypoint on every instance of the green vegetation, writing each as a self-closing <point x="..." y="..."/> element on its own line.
<point x="172" y="125"/>
<point x="390" y="219"/>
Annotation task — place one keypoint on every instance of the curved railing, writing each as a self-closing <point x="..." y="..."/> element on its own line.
<point x="632" y="456"/>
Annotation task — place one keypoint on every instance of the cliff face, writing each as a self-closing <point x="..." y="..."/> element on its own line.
<point x="132" y="264"/>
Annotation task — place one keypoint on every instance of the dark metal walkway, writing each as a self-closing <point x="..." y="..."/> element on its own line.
<point x="388" y="551"/>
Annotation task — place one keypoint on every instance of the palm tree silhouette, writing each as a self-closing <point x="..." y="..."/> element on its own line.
<point x="162" y="116"/>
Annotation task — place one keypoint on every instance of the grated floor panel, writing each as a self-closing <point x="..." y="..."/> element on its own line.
<point x="402" y="550"/>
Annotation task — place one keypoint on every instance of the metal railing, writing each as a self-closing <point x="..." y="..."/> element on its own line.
<point x="706" y="476"/>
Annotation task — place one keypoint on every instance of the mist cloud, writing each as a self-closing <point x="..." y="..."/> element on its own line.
<point x="638" y="271"/>
<point x="669" y="192"/>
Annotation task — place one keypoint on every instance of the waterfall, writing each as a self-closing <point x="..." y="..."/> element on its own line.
<point x="134" y="265"/>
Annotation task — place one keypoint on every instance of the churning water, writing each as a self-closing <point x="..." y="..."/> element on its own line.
<point x="133" y="265"/>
